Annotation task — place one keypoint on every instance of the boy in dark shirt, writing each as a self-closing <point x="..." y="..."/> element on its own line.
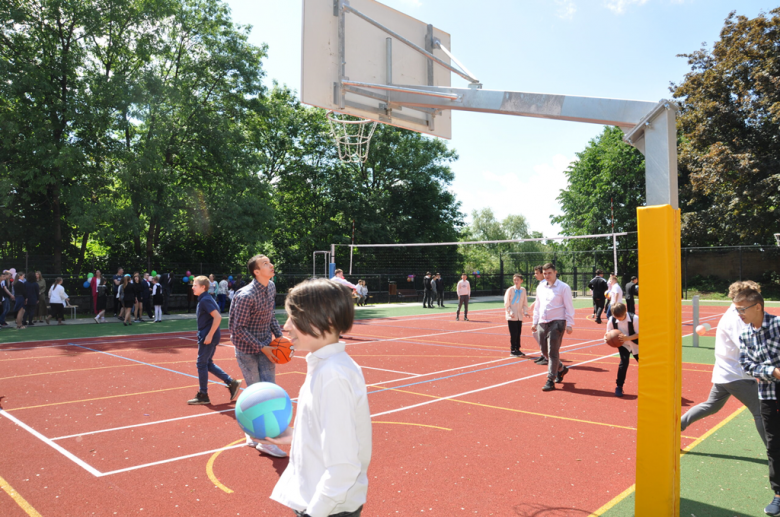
<point x="20" y="290"/>
<point x="209" y="319"/>
<point x="31" y="300"/>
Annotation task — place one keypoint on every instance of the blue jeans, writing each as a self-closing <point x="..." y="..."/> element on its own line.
<point x="206" y="364"/>
<point x="221" y="302"/>
<point x="256" y="367"/>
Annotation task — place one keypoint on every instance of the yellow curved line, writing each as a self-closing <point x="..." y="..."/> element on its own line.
<point x="210" y="468"/>
<point x="18" y="499"/>
<point x="407" y="423"/>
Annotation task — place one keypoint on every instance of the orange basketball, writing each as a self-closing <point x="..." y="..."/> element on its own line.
<point x="613" y="338"/>
<point x="283" y="349"/>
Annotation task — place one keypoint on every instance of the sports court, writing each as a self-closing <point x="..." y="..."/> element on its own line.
<point x="101" y="426"/>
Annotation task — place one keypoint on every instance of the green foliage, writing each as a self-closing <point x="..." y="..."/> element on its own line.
<point x="486" y="257"/>
<point x="729" y="122"/>
<point x="608" y="172"/>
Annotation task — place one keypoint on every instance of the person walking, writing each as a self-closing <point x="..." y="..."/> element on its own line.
<point x="598" y="287"/>
<point x="102" y="300"/>
<point x="252" y="327"/>
<point x="94" y="282"/>
<point x="516" y="307"/>
<point x="43" y="297"/>
<point x="539" y="276"/>
<point x="553" y="314"/>
<point x="58" y="299"/>
<point x="464" y="293"/>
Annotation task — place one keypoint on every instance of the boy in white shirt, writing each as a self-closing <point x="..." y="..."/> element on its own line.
<point x="331" y="439"/>
<point x="516" y="306"/>
<point x="464" y="293"/>
<point x="628" y="325"/>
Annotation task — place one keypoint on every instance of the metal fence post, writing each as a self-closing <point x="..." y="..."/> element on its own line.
<point x="695" y="321"/>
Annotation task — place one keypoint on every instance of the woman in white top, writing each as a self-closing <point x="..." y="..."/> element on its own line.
<point x="614" y="295"/>
<point x="58" y="300"/>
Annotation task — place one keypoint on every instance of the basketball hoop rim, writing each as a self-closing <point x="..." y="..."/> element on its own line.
<point x="332" y="117"/>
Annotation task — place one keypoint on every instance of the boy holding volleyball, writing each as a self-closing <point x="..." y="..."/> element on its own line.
<point x="331" y="439"/>
<point x="209" y="319"/>
<point x="628" y="325"/>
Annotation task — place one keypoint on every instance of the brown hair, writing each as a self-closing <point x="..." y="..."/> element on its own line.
<point x="549" y="265"/>
<point x="319" y="306"/>
<point x="749" y="295"/>
<point x="202" y="281"/>
<point x="337" y="271"/>
<point x="252" y="264"/>
<point x="537" y="269"/>
<point x="517" y="275"/>
<point x="618" y="309"/>
<point x="736" y="287"/>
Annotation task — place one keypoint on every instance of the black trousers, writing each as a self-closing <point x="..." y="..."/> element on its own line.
<point x="625" y="357"/>
<point x="440" y="298"/>
<point x="598" y="306"/>
<point x="515" y="328"/>
<point x="770" y="414"/>
<point x="166" y="296"/>
<point x="630" y="306"/>
<point x="57" y="311"/>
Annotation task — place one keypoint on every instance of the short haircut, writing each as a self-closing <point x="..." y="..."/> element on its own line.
<point x="20" y="274"/>
<point x="537" y="269"/>
<point x="427" y="272"/>
<point x="464" y="274"/>
<point x="336" y="272"/>
<point x="634" y="278"/>
<point x="599" y="272"/>
<point x="251" y="265"/>
<point x="202" y="281"/>
<point x="319" y="306"/>
<point x="549" y="265"/>
<point x="750" y="296"/>
<point x="736" y="287"/>
<point x="619" y="309"/>
<point x="517" y="275"/>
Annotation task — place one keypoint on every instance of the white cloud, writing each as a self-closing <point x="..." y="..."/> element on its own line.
<point x="619" y="6"/>
<point x="530" y="194"/>
<point x="566" y="9"/>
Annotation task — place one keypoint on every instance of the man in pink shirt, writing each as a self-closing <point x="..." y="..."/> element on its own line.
<point x="464" y="292"/>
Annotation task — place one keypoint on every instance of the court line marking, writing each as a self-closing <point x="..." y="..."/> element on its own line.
<point x="210" y="468"/>
<point x="170" y="460"/>
<point x="630" y="490"/>
<point x="392" y="371"/>
<point x="18" y="499"/>
<point x="75" y="459"/>
<point x="101" y="398"/>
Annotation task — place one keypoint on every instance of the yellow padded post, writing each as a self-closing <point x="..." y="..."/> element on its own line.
<point x="660" y="364"/>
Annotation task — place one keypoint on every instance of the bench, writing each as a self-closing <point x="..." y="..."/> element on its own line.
<point x="408" y="293"/>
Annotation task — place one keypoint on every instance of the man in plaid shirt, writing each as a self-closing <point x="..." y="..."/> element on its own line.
<point x="759" y="355"/>
<point x="252" y="327"/>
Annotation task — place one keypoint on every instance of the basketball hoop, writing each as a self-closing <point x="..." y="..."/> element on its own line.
<point x="352" y="137"/>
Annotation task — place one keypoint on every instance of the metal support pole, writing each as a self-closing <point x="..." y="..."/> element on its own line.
<point x="332" y="265"/>
<point x="351" y="248"/>
<point x="695" y="321"/>
<point x="614" y="252"/>
<point x="389" y="60"/>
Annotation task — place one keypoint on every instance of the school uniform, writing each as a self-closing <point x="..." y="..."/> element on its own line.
<point x="31" y="301"/>
<point x="628" y="327"/>
<point x="598" y="286"/>
<point x="516" y="306"/>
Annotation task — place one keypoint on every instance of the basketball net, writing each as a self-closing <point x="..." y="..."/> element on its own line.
<point x="352" y="137"/>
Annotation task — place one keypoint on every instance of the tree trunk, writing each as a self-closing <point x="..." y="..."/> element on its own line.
<point x="82" y="253"/>
<point x="57" y="216"/>
<point x="150" y="244"/>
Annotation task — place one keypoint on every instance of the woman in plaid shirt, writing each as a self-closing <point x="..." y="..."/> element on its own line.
<point x="759" y="355"/>
<point x="252" y="327"/>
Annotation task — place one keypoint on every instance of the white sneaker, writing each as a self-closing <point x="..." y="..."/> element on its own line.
<point x="96" y="320"/>
<point x="271" y="450"/>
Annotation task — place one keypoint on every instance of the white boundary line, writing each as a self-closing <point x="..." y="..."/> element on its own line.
<point x="81" y="463"/>
<point x="391" y="371"/>
<point x="170" y="460"/>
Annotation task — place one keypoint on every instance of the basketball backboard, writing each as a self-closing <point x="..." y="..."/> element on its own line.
<point x="371" y="56"/>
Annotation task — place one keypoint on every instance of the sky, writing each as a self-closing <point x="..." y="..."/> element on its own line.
<point x="623" y="49"/>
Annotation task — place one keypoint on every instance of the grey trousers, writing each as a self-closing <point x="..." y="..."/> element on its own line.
<point x="550" y="339"/>
<point x="745" y="391"/>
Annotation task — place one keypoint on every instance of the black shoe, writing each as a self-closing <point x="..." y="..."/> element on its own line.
<point x="543" y="362"/>
<point x="598" y="321"/>
<point x="457" y="318"/>
<point x="233" y="387"/>
<point x="517" y="353"/>
<point x="559" y="377"/>
<point x="465" y="318"/>
<point x="618" y="391"/>
<point x="549" y="386"/>
<point x="199" y="400"/>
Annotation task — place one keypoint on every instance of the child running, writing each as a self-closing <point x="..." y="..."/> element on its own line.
<point x="628" y="324"/>
<point x="209" y="319"/>
<point x="331" y="439"/>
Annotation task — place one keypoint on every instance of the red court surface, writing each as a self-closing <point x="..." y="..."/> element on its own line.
<point x="101" y="426"/>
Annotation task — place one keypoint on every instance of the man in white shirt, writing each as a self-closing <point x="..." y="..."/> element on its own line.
<point x="464" y="293"/>
<point x="728" y="376"/>
<point x="539" y="275"/>
<point x="615" y="294"/>
<point x="553" y="313"/>
<point x="331" y="439"/>
<point x="339" y="278"/>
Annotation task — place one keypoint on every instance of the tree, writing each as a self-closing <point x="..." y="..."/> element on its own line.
<point x="729" y="122"/>
<point x="607" y="172"/>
